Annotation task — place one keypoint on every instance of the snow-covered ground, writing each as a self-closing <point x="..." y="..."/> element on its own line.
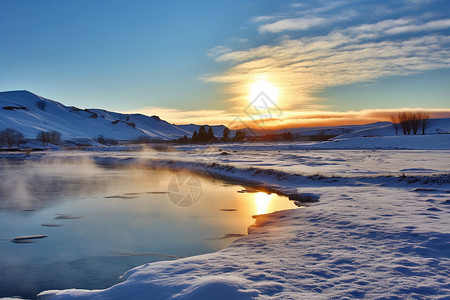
<point x="359" y="241"/>
<point x="30" y="114"/>
<point x="381" y="228"/>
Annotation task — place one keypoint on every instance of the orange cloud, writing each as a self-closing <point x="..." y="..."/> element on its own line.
<point x="288" y="119"/>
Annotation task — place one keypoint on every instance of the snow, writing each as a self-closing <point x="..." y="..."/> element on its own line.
<point x="434" y="126"/>
<point x="76" y="124"/>
<point x="363" y="241"/>
<point x="374" y="233"/>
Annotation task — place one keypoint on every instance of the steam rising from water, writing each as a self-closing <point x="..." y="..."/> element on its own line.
<point x="29" y="185"/>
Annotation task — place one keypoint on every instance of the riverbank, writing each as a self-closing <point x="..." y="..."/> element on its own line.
<point x="375" y="236"/>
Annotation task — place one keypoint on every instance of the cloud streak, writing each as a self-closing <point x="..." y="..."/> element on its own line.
<point x="290" y="119"/>
<point x="302" y="65"/>
<point x="293" y="24"/>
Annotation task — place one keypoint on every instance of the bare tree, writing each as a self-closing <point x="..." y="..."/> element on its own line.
<point x="425" y="118"/>
<point x="416" y="121"/>
<point x="106" y="141"/>
<point x="404" y="118"/>
<point x="46" y="137"/>
<point x="43" y="137"/>
<point x="2" y="139"/>
<point x="18" y="137"/>
<point x="55" y="137"/>
<point x="394" y="122"/>
<point x="11" y="136"/>
<point x="411" y="121"/>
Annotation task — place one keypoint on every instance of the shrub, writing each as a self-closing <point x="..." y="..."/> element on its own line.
<point x="41" y="104"/>
<point x="46" y="137"/>
<point x="106" y="141"/>
<point x="10" y="137"/>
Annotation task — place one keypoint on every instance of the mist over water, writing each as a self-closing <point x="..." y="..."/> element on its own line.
<point x="100" y="221"/>
<point x="33" y="185"/>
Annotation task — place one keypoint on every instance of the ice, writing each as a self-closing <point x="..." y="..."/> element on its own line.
<point x="67" y="217"/>
<point x="28" y="238"/>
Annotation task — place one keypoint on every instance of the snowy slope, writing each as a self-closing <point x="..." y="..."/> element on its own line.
<point x="333" y="130"/>
<point x="30" y="113"/>
<point x="435" y="126"/>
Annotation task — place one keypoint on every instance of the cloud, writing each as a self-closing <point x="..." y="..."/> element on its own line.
<point x="293" y="24"/>
<point x="301" y="65"/>
<point x="290" y="118"/>
<point x="333" y="118"/>
<point x="300" y="68"/>
<point x="262" y="19"/>
<point x="218" y="51"/>
<point x="432" y="25"/>
<point x="181" y="117"/>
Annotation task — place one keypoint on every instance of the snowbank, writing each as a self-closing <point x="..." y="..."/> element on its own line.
<point x="366" y="241"/>
<point x="368" y="237"/>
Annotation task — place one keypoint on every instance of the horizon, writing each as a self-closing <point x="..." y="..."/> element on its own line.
<point x="321" y="63"/>
<point x="375" y="116"/>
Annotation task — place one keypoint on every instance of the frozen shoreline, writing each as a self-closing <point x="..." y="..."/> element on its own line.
<point x="372" y="234"/>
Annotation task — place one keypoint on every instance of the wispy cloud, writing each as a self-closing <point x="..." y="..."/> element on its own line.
<point x="186" y="116"/>
<point x="262" y="19"/>
<point x="293" y="24"/>
<point x="218" y="51"/>
<point x="303" y="64"/>
<point x="429" y="26"/>
<point x="291" y="119"/>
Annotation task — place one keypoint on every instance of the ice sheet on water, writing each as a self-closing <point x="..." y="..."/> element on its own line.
<point x="28" y="238"/>
<point x="67" y="217"/>
<point x="51" y="225"/>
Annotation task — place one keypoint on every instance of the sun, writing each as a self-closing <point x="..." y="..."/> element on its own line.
<point x="262" y="85"/>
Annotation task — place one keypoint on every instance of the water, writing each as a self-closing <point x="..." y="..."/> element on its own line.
<point x="102" y="221"/>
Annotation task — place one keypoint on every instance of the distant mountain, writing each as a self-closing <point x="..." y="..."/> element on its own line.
<point x="30" y="114"/>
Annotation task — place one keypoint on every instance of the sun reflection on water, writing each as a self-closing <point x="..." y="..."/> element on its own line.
<point x="262" y="202"/>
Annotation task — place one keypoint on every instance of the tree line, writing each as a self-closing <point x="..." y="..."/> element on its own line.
<point x="49" y="137"/>
<point x="410" y="122"/>
<point x="205" y="134"/>
<point x="11" y="137"/>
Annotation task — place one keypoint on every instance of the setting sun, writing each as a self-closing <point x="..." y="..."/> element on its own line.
<point x="265" y="86"/>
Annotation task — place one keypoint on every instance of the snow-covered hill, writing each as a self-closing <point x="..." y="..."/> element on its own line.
<point x="335" y="130"/>
<point x="434" y="126"/>
<point x="30" y="114"/>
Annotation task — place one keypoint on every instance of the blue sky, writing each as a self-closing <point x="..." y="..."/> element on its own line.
<point x="195" y="61"/>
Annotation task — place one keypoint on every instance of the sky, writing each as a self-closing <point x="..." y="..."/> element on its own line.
<point x="206" y="62"/>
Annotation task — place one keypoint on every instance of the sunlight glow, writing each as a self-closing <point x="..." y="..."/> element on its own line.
<point x="262" y="85"/>
<point x="262" y="201"/>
